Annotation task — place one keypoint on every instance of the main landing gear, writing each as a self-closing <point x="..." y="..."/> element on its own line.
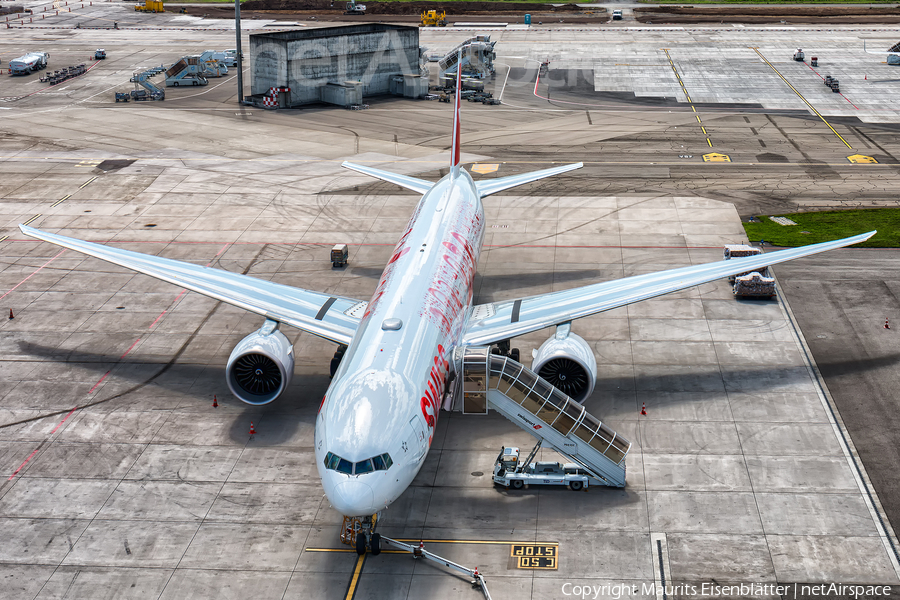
<point x="502" y="348"/>
<point x="336" y="359"/>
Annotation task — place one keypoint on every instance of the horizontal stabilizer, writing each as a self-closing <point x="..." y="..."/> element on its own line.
<point x="486" y="187"/>
<point x="411" y="183"/>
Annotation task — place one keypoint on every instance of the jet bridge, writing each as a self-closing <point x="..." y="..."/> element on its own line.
<point x="519" y="394"/>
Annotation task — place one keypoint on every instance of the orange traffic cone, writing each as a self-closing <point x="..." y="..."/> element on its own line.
<point x="475" y="574"/>
<point x="216" y="403"/>
<point x="887" y="325"/>
<point x="11" y="316"/>
<point x="252" y="429"/>
<point x="643" y="408"/>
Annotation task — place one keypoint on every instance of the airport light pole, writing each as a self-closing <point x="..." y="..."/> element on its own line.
<point x="240" y="54"/>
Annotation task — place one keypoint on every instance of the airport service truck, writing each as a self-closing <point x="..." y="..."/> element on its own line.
<point x="753" y="284"/>
<point x="28" y="63"/>
<point x="509" y="473"/>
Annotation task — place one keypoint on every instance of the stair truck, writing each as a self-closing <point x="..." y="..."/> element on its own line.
<point x="509" y="473"/>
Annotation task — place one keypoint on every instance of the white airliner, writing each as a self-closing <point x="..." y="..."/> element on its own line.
<point x="377" y="418"/>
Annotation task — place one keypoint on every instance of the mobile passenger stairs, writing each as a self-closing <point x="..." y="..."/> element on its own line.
<point x="187" y="71"/>
<point x="497" y="381"/>
<point x="556" y="420"/>
<point x="151" y="91"/>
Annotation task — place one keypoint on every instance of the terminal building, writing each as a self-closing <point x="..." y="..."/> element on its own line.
<point x="337" y="65"/>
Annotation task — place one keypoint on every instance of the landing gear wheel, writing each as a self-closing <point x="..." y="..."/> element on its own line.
<point x="514" y="354"/>
<point x="576" y="486"/>
<point x="375" y="544"/>
<point x="360" y="543"/>
<point x="517" y="484"/>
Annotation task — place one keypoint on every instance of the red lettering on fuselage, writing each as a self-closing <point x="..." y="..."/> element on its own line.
<point x="434" y="385"/>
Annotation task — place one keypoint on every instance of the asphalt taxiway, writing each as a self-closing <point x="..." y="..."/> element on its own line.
<point x="119" y="475"/>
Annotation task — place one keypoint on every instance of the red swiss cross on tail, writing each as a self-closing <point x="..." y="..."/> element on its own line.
<point x="454" y="150"/>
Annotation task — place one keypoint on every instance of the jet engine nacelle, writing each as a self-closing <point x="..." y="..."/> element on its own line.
<point x="261" y="366"/>
<point x="567" y="362"/>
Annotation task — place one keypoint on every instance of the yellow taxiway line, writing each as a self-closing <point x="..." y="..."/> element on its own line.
<point x="688" y="96"/>
<point x="354" y="581"/>
<point x="799" y="95"/>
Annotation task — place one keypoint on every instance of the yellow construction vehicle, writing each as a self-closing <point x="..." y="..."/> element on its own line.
<point x="154" y="6"/>
<point x="431" y="18"/>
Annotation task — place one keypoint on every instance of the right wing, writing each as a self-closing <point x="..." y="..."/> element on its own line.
<point x="331" y="317"/>
<point x="498" y="321"/>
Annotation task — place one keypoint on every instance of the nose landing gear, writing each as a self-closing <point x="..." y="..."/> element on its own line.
<point x="360" y="533"/>
<point x="373" y="543"/>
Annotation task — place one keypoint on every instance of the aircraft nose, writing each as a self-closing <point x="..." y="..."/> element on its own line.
<point x="354" y="499"/>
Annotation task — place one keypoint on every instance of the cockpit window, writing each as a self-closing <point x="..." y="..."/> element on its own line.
<point x="387" y="461"/>
<point x="382" y="462"/>
<point x="331" y="461"/>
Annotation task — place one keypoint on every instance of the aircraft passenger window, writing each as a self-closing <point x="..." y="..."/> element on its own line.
<point x="344" y="466"/>
<point x="378" y="462"/>
<point x="364" y="466"/>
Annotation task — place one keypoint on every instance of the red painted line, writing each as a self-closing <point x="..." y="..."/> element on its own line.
<point x="58" y="425"/>
<point x="32" y="275"/>
<point x="621" y="247"/>
<point x="183" y="292"/>
<point x="157" y="319"/>
<point x="392" y="245"/>
<point x="823" y="79"/>
<point x="130" y="349"/>
<point x="105" y="375"/>
<point x="30" y="456"/>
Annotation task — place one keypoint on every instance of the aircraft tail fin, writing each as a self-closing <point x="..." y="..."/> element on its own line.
<point x="454" y="144"/>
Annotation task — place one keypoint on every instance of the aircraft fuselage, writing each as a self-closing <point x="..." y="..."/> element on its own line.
<point x="385" y="396"/>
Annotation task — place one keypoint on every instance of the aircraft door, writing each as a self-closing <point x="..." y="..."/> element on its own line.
<point x="418" y="443"/>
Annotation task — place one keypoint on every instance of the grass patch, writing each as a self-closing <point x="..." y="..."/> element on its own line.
<point x="784" y="2"/>
<point x="827" y="226"/>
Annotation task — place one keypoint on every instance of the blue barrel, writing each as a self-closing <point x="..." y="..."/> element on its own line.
<point x="528" y="19"/>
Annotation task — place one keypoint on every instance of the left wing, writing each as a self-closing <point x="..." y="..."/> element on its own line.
<point x="329" y="317"/>
<point x="491" y="323"/>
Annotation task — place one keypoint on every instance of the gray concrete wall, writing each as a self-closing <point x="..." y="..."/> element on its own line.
<point x="306" y="64"/>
